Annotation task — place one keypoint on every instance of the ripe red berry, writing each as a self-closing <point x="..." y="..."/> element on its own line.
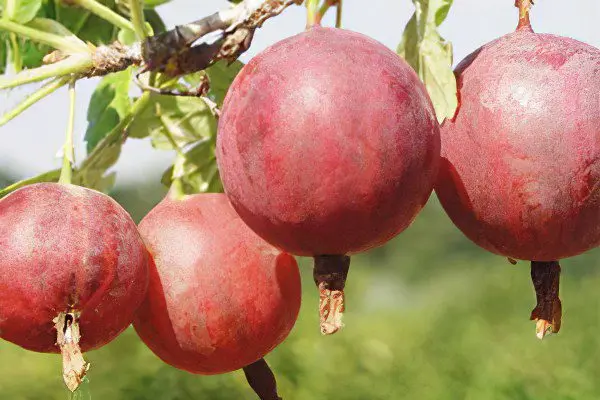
<point x="328" y="145"/>
<point x="220" y="297"/>
<point x="71" y="263"/>
<point x="520" y="167"/>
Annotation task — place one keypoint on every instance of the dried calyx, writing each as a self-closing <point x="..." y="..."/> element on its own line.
<point x="67" y="338"/>
<point x="330" y="273"/>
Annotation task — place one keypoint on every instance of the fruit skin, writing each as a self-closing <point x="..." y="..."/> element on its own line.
<point x="62" y="248"/>
<point x="220" y="297"/>
<point x="520" y="164"/>
<point x="328" y="143"/>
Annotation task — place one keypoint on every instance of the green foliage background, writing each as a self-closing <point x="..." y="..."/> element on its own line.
<point x="430" y="316"/>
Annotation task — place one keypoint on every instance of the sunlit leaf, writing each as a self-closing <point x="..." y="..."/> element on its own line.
<point x="196" y="170"/>
<point x="174" y="122"/>
<point x="50" y="176"/>
<point x="154" y="3"/>
<point x="430" y="55"/>
<point x="3" y="52"/>
<point x="56" y="28"/>
<point x="21" y="11"/>
<point x="220" y="75"/>
<point x="109" y="104"/>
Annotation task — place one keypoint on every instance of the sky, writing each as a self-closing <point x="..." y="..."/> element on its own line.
<point x="29" y="144"/>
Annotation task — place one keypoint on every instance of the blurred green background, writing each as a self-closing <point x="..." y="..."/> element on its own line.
<point x="429" y="316"/>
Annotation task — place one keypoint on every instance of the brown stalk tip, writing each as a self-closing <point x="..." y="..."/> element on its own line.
<point x="67" y="338"/>
<point x="330" y="273"/>
<point x="547" y="314"/>
<point x="524" y="6"/>
<point x="261" y="380"/>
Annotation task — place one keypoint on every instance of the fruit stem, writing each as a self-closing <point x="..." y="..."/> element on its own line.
<point x="67" y="338"/>
<point x="545" y="276"/>
<point x="315" y="13"/>
<point x="338" y="14"/>
<point x="261" y="380"/>
<point x="66" y="174"/>
<point x="312" y="13"/>
<point x="524" y="22"/>
<point x="330" y="273"/>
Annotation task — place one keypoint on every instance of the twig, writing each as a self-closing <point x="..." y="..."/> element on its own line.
<point x="66" y="174"/>
<point x="50" y="39"/>
<point x="137" y="19"/>
<point x="236" y="27"/>
<point x="75" y="64"/>
<point x="33" y="98"/>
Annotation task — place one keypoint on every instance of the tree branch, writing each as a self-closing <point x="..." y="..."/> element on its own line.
<point x="172" y="52"/>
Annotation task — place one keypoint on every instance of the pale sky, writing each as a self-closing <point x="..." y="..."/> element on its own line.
<point x="29" y="144"/>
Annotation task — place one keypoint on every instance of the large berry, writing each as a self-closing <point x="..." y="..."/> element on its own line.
<point x="72" y="264"/>
<point x="520" y="170"/>
<point x="220" y="297"/>
<point x="328" y="145"/>
<point x="520" y="167"/>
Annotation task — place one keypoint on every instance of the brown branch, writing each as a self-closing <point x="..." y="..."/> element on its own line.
<point x="67" y="338"/>
<point x="330" y="273"/>
<point x="173" y="52"/>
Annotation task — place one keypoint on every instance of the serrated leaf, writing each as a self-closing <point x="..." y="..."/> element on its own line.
<point x="109" y="104"/>
<point x="174" y="122"/>
<point x="430" y="55"/>
<point x="21" y="11"/>
<point x="195" y="170"/>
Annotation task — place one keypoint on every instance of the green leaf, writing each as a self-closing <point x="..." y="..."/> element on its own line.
<point x="195" y="170"/>
<point x="3" y="52"/>
<point x="430" y="55"/>
<point x="21" y="11"/>
<point x="87" y="26"/>
<point x="91" y="172"/>
<point x="32" y="53"/>
<point x="174" y="122"/>
<point x="155" y="21"/>
<point x="126" y="37"/>
<point x="50" y="176"/>
<point x="109" y="104"/>
<point x="54" y="27"/>
<point x="221" y="75"/>
<point x="154" y="3"/>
